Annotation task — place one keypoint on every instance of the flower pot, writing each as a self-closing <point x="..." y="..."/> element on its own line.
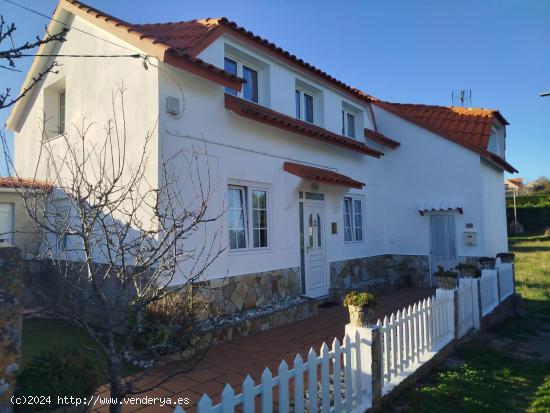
<point x="447" y="283"/>
<point x="358" y="316"/>
<point x="506" y="257"/>
<point x="487" y="263"/>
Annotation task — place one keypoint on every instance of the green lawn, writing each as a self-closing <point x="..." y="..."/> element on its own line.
<point x="39" y="334"/>
<point x="488" y="378"/>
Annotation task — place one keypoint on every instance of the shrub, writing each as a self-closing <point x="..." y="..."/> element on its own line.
<point x="168" y="324"/>
<point x="441" y="272"/>
<point x="360" y="299"/>
<point x="58" y="371"/>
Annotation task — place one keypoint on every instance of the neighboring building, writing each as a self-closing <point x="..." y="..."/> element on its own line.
<point x="349" y="190"/>
<point x="514" y="185"/>
<point x="16" y="226"/>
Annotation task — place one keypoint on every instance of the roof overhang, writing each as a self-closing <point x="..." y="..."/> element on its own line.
<point x="484" y="153"/>
<point x="381" y="139"/>
<point x="268" y="116"/>
<point x="13" y="183"/>
<point x="323" y="176"/>
<point x="427" y="207"/>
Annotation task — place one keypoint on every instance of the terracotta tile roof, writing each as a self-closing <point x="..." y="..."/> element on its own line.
<point x="381" y="139"/>
<point x="24" y="183"/>
<point x="262" y="114"/>
<point x="189" y="38"/>
<point x="321" y="175"/>
<point x="469" y="127"/>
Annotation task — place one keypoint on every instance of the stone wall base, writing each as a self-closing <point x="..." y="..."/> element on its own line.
<point x="501" y="312"/>
<point x="244" y="326"/>
<point x="11" y="316"/>
<point x="378" y="274"/>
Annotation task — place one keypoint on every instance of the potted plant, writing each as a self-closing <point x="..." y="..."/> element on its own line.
<point x="468" y="270"/>
<point x="506" y="256"/>
<point x="487" y="263"/>
<point x="359" y="304"/>
<point x="446" y="279"/>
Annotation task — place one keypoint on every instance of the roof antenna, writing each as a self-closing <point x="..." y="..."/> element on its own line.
<point x="462" y="97"/>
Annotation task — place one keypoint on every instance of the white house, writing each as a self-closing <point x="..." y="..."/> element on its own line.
<point x="326" y="186"/>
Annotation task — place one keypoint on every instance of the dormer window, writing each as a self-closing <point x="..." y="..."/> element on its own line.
<point x="353" y="120"/>
<point x="496" y="142"/>
<point x="348" y="123"/>
<point x="250" y="75"/>
<point x="304" y="105"/>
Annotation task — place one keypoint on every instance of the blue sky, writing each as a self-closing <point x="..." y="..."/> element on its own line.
<point x="400" y="51"/>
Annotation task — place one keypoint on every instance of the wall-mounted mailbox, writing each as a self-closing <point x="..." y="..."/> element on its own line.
<point x="470" y="238"/>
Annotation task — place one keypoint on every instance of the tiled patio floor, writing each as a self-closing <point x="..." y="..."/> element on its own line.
<point x="231" y="362"/>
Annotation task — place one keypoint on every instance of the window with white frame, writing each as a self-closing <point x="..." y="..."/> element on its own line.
<point x="348" y="123"/>
<point x="247" y="217"/>
<point x="353" y="219"/>
<point x="250" y="89"/>
<point x="55" y="109"/>
<point x="496" y="142"/>
<point x="304" y="105"/>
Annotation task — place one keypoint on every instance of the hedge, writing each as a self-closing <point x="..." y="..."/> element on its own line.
<point x="532" y="218"/>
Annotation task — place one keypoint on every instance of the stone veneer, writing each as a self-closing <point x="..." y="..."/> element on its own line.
<point x="236" y="294"/>
<point x="379" y="273"/>
<point x="295" y="311"/>
<point x="11" y="314"/>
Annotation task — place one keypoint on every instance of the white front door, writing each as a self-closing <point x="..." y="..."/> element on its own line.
<point x="314" y="251"/>
<point x="442" y="242"/>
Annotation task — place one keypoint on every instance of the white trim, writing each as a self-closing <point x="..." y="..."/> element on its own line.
<point x="248" y="187"/>
<point x="240" y="61"/>
<point x="353" y="198"/>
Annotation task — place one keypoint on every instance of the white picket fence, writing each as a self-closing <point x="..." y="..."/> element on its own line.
<point x="334" y="384"/>
<point x="340" y="379"/>
<point x="488" y="285"/>
<point x="506" y="279"/>
<point x="413" y="335"/>
<point x="468" y="308"/>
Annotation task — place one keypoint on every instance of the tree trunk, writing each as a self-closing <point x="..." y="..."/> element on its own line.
<point x="115" y="379"/>
<point x="116" y="389"/>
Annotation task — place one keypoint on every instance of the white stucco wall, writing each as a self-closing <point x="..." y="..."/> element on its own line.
<point x="89" y="86"/>
<point x="235" y="149"/>
<point x="242" y="149"/>
<point x="494" y="209"/>
<point x="427" y="167"/>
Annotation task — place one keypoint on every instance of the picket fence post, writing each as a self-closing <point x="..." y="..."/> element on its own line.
<point x="479" y="305"/>
<point x="498" y="287"/>
<point x="366" y="360"/>
<point x="376" y="369"/>
<point x="456" y="320"/>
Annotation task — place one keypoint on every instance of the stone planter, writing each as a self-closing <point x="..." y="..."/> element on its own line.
<point x="446" y="283"/>
<point x="487" y="263"/>
<point x="359" y="316"/>
<point x="506" y="257"/>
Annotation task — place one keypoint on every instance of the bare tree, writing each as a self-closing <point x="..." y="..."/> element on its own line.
<point x="117" y="234"/>
<point x="10" y="52"/>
